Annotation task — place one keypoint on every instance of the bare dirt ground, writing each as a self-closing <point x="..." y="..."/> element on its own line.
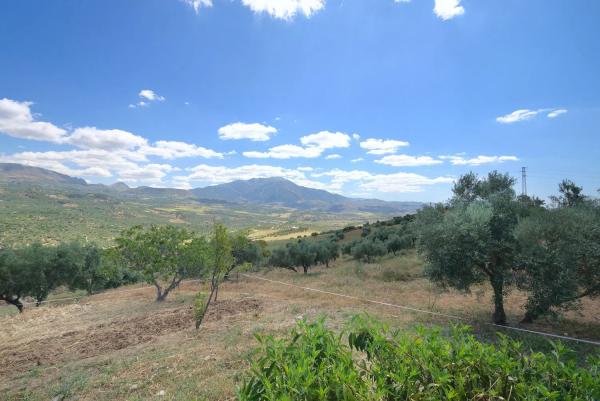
<point x="120" y="345"/>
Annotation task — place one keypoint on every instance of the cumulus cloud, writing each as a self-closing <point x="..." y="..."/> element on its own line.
<point x="150" y="95"/>
<point x="313" y="146"/>
<point x="197" y="4"/>
<point x="384" y="183"/>
<point x="408" y="161"/>
<point x="147" y="96"/>
<point x="358" y="159"/>
<point x="98" y="153"/>
<point x="110" y="139"/>
<point x="254" y="132"/>
<point x="176" y="150"/>
<point x="285" y="152"/>
<point x="151" y="174"/>
<point x="333" y="156"/>
<point x="17" y="120"/>
<point x="459" y="160"/>
<point x="382" y="146"/>
<point x="402" y="182"/>
<point x="326" y="140"/>
<point x="285" y="9"/>
<point x="206" y="174"/>
<point x="556" y="113"/>
<point x="448" y="9"/>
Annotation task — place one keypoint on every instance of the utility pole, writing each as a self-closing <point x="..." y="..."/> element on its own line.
<point x="524" y="181"/>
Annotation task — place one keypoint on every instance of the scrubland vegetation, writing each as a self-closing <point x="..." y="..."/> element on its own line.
<point x="484" y="249"/>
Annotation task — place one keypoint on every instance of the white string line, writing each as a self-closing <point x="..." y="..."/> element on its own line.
<point x="101" y="293"/>
<point x="421" y="310"/>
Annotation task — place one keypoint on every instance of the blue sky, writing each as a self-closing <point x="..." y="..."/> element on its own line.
<point x="378" y="98"/>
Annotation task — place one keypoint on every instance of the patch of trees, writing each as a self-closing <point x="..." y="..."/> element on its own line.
<point x="486" y="233"/>
<point x="159" y="255"/>
<point x="36" y="270"/>
<point x="304" y="254"/>
<point x="166" y="255"/>
<point x="382" y="238"/>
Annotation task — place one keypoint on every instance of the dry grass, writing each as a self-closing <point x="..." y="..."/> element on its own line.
<point x="123" y="346"/>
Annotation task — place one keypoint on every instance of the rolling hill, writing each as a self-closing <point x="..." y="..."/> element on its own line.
<point x="42" y="205"/>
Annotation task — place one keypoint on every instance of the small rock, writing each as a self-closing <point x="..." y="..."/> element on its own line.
<point x="161" y="393"/>
<point x="134" y="387"/>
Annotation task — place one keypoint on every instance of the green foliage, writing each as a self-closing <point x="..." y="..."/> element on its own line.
<point x="163" y="254"/>
<point x="368" y="250"/>
<point x="311" y="365"/>
<point x="559" y="259"/>
<point x="472" y="238"/>
<point x="570" y="194"/>
<point x="305" y="253"/>
<point x="36" y="270"/>
<point x="382" y="365"/>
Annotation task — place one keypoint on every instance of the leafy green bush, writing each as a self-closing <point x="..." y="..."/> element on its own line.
<point x="382" y="365"/>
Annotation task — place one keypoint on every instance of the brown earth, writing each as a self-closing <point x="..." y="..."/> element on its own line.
<point x="112" y="336"/>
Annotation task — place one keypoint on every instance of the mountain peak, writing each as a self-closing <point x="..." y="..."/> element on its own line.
<point x="20" y="173"/>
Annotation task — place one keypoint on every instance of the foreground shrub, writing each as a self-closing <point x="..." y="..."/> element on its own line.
<point x="378" y="364"/>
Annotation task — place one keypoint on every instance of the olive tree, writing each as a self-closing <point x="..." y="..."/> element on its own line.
<point x="559" y="260"/>
<point x="164" y="255"/>
<point x="471" y="240"/>
<point x="14" y="285"/>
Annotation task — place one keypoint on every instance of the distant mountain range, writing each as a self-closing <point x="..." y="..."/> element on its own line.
<point x="262" y="191"/>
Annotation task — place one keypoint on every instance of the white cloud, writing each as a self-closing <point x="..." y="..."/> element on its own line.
<point x="151" y="174"/>
<point x="402" y="182"/>
<point x="110" y="139"/>
<point x="176" y="150"/>
<point x="527" y="114"/>
<point x="150" y="95"/>
<point x="285" y="9"/>
<point x="255" y="132"/>
<point x="326" y="140"/>
<point x="197" y="4"/>
<point x="408" y="161"/>
<point x="356" y="137"/>
<point x="517" y="115"/>
<point x="333" y="156"/>
<point x="556" y="113"/>
<point x="382" y="146"/>
<point x="358" y="159"/>
<point x="459" y="160"/>
<point x="285" y="152"/>
<point x="314" y="146"/>
<point x="384" y="183"/>
<point x="220" y="174"/>
<point x="147" y="96"/>
<point x="448" y="9"/>
<point x="16" y="120"/>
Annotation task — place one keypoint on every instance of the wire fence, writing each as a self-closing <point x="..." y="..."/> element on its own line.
<point x="351" y="297"/>
<point x="417" y="310"/>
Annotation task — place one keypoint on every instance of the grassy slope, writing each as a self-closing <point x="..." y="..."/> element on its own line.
<point x="55" y="213"/>
<point x="123" y="346"/>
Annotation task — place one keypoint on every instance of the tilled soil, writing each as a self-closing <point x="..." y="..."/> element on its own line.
<point x="112" y="336"/>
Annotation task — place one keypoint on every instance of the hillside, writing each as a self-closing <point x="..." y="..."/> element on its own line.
<point x="42" y="205"/>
